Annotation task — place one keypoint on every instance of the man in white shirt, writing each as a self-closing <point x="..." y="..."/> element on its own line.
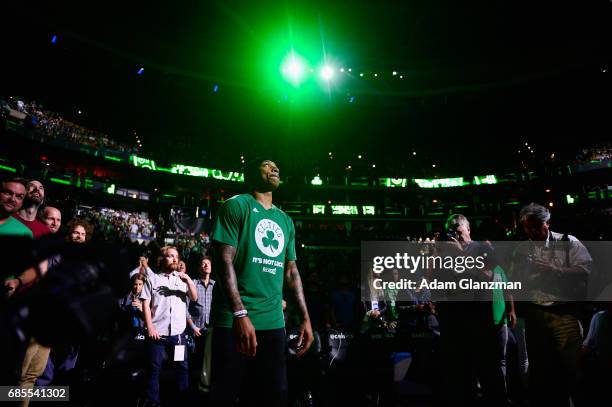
<point x="165" y="313"/>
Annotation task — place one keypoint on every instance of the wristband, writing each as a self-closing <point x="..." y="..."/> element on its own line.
<point x="240" y="313"/>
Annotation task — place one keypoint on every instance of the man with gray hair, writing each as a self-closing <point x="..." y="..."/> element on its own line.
<point x="472" y="341"/>
<point x="556" y="265"/>
<point x="458" y="227"/>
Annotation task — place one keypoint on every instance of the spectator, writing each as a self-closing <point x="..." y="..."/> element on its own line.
<point x="132" y="303"/>
<point x="79" y="231"/>
<point x="35" y="197"/>
<point x="37" y="355"/>
<point x="62" y="360"/>
<point x="52" y="217"/>
<point x="553" y="331"/>
<point x="198" y="317"/>
<point x="165" y="312"/>
<point x="473" y="343"/>
<point x="12" y="196"/>
<point x="596" y="358"/>
<point x="41" y="363"/>
<point x="598" y="341"/>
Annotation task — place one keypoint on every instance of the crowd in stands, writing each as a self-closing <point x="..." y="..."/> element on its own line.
<point x="595" y="153"/>
<point x="191" y="245"/>
<point x="114" y="224"/>
<point x="54" y="126"/>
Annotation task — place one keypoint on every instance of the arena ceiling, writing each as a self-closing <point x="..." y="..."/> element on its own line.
<point x="475" y="81"/>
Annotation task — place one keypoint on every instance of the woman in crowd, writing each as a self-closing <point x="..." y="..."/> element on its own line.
<point x="132" y="303"/>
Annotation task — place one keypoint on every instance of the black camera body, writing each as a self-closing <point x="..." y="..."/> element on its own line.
<point x="452" y="234"/>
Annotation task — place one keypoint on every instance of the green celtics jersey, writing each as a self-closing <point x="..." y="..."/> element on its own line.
<point x="264" y="240"/>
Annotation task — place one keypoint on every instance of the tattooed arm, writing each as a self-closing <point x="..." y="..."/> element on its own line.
<point x="243" y="327"/>
<point x="294" y="283"/>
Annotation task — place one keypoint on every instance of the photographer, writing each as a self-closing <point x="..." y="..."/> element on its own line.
<point x="556" y="265"/>
<point x="472" y="344"/>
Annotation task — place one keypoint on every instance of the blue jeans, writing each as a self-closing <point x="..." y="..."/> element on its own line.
<point x="157" y="350"/>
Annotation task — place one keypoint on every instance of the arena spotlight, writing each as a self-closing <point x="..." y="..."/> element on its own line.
<point x="327" y="72"/>
<point x="293" y="68"/>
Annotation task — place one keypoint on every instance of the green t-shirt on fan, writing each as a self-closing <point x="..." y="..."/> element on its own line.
<point x="264" y="241"/>
<point x="12" y="227"/>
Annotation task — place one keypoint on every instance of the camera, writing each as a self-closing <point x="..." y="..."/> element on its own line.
<point x="452" y="234"/>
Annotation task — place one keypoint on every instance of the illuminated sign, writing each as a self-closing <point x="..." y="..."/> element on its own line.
<point x="440" y="183"/>
<point x="345" y="210"/>
<point x="437" y="182"/>
<point x="317" y="181"/>
<point x="227" y="175"/>
<point x="368" y="210"/>
<point x="485" y="179"/>
<point x="235" y="176"/>
<point x="189" y="170"/>
<point x="143" y="163"/>
<point x="318" y="209"/>
<point x="393" y="182"/>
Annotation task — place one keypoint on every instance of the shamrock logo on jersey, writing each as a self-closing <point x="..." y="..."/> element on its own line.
<point x="269" y="240"/>
<point x="269" y="237"/>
